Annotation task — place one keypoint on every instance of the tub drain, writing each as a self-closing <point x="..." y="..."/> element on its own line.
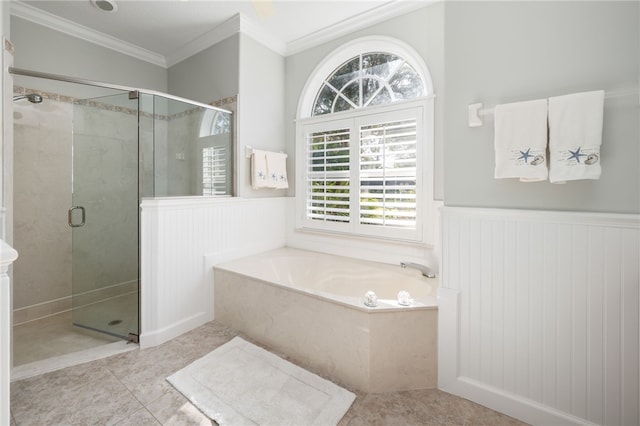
<point x="115" y="322"/>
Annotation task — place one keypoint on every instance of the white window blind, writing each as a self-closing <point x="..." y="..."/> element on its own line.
<point x="388" y="174"/>
<point x="328" y="169"/>
<point x="214" y="170"/>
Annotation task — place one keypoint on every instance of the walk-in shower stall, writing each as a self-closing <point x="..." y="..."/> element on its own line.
<point x="84" y="155"/>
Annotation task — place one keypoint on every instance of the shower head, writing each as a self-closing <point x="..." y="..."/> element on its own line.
<point x="34" y="98"/>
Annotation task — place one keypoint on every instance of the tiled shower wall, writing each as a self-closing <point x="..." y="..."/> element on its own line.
<point x="42" y="182"/>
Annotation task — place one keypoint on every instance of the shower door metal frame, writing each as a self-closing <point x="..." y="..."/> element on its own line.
<point x="57" y="77"/>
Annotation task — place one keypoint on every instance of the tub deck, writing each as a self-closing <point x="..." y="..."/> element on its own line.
<point x="382" y="349"/>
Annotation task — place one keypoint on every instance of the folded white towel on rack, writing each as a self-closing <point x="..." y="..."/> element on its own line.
<point x="277" y="168"/>
<point x="259" y="172"/>
<point x="521" y="140"/>
<point x="575" y="136"/>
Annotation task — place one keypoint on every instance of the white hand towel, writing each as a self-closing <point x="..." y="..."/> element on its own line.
<point x="277" y="167"/>
<point x="521" y="140"/>
<point x="259" y="175"/>
<point x="575" y="136"/>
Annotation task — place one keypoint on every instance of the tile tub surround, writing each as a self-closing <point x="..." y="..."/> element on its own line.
<point x="133" y="391"/>
<point x="384" y="349"/>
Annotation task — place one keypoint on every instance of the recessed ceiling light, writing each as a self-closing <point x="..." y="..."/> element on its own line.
<point x="105" y="5"/>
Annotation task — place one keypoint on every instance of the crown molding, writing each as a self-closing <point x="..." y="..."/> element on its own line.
<point x="237" y="24"/>
<point x="252" y="29"/>
<point x="40" y="17"/>
<point x="381" y="13"/>
<point x="223" y="31"/>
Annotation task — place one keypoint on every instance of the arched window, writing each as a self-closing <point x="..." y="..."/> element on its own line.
<point x="214" y="123"/>
<point x="364" y="143"/>
<point x="372" y="78"/>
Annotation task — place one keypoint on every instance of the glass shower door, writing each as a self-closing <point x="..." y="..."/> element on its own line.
<point x="104" y="216"/>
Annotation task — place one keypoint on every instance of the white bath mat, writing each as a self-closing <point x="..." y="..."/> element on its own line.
<point x="242" y="384"/>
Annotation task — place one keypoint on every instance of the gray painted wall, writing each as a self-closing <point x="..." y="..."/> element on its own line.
<point x="260" y="111"/>
<point x="494" y="52"/>
<point x="41" y="49"/>
<point x="240" y="65"/>
<point x="209" y="75"/>
<point x="499" y="52"/>
<point x="421" y="29"/>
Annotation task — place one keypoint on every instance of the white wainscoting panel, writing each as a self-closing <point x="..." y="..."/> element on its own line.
<point x="181" y="241"/>
<point x="539" y="313"/>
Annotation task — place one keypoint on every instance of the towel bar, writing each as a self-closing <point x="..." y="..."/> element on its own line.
<point x="248" y="151"/>
<point x="476" y="111"/>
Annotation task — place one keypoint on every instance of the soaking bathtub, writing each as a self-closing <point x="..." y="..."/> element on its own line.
<point x="310" y="306"/>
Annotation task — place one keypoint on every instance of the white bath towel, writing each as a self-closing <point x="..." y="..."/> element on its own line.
<point x="521" y="140"/>
<point x="277" y="168"/>
<point x="259" y="172"/>
<point x="575" y="136"/>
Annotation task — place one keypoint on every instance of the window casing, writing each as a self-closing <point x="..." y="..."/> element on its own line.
<point x="364" y="151"/>
<point x="363" y="173"/>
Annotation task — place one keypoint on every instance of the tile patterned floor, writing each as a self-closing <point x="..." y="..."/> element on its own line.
<point x="130" y="389"/>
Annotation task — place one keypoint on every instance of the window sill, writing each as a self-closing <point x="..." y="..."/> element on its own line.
<point x="363" y="238"/>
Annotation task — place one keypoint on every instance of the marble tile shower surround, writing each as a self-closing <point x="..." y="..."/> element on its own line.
<point x="42" y="178"/>
<point x="133" y="391"/>
<point x="43" y="139"/>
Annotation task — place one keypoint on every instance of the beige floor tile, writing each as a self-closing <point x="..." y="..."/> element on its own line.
<point x="80" y="395"/>
<point x="174" y="409"/>
<point x="144" y="372"/>
<point x="131" y="389"/>
<point x="142" y="417"/>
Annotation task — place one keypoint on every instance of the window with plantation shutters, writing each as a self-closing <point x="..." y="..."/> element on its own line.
<point x="362" y="173"/>
<point x="364" y="146"/>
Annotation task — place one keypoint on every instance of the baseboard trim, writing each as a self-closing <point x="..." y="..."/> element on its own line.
<point x="156" y="337"/>
<point x="512" y="405"/>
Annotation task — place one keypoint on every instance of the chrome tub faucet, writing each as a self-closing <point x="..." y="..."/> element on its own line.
<point x="426" y="272"/>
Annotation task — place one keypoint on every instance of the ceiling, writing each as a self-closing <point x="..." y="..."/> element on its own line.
<point x="172" y="29"/>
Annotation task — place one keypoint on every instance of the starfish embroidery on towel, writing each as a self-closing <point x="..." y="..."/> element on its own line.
<point x="273" y="176"/>
<point x="524" y="155"/>
<point x="576" y="155"/>
<point x="282" y="178"/>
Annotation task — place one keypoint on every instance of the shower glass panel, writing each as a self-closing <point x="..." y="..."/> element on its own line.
<point x="104" y="215"/>
<point x="186" y="149"/>
<point x="84" y="158"/>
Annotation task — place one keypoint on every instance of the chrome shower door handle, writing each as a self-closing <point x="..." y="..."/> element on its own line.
<point x="70" y="216"/>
